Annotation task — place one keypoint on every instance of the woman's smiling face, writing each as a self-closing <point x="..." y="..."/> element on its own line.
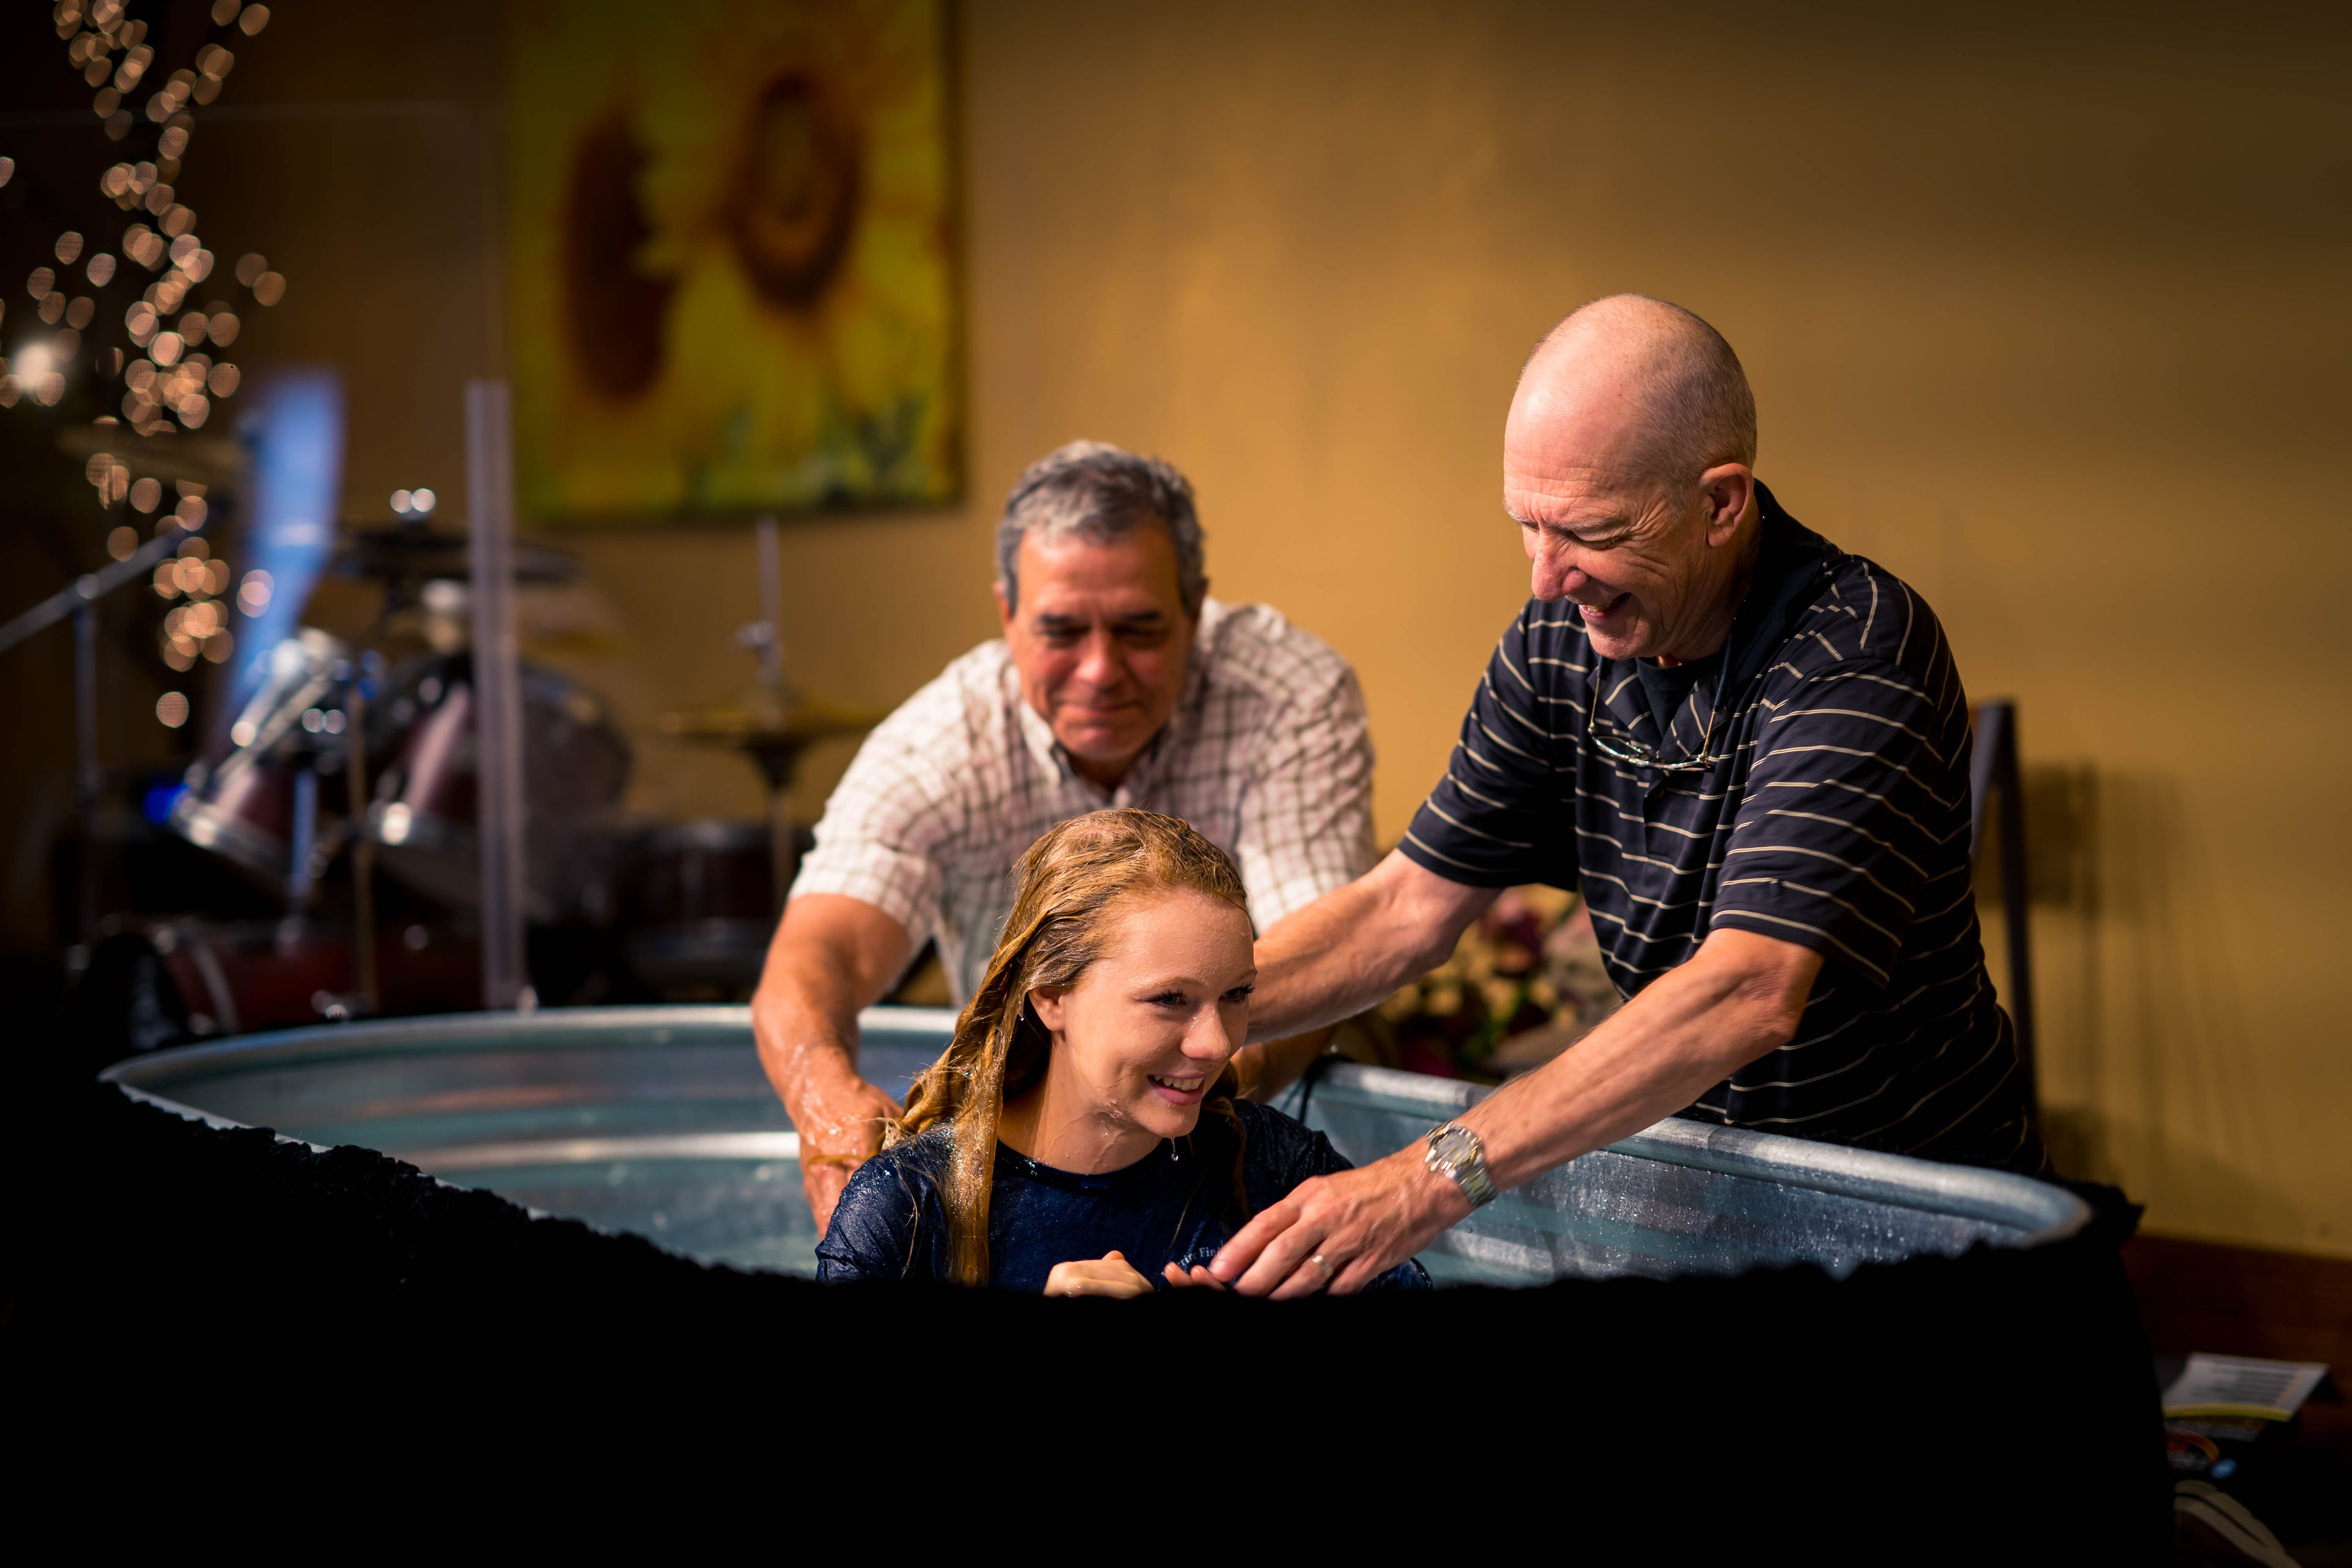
<point x="1140" y="1039"/>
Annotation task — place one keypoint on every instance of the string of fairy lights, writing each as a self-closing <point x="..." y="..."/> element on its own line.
<point x="174" y="372"/>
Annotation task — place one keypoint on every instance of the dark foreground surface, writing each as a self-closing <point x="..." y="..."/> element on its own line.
<point x="1995" y="1407"/>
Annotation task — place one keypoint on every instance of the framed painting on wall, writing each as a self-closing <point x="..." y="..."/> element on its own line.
<point x="730" y="253"/>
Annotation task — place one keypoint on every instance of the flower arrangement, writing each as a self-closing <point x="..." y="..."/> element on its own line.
<point x="1525" y="982"/>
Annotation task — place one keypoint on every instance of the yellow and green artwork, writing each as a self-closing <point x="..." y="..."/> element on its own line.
<point x="731" y="257"/>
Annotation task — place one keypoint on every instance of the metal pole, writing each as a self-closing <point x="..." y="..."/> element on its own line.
<point x="2016" y="900"/>
<point x="306" y="838"/>
<point x="363" y="847"/>
<point x="498" y="721"/>
<point x="86" y="775"/>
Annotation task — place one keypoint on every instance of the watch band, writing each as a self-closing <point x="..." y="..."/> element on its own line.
<point x="1456" y="1152"/>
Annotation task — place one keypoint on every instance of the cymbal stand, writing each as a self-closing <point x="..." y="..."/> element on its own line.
<point x="86" y="779"/>
<point x="80" y="600"/>
<point x="765" y="638"/>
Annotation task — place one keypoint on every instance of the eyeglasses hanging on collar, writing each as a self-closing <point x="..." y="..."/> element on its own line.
<point x="1642" y="755"/>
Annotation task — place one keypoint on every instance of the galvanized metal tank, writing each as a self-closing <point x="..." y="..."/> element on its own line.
<point x="657" y="1121"/>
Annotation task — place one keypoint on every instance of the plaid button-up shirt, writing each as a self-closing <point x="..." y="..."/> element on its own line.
<point x="1268" y="754"/>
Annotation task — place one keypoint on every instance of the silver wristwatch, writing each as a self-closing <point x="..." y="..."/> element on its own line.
<point x="1455" y="1151"/>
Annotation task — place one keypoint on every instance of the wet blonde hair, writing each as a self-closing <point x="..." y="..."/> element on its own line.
<point x="1073" y="882"/>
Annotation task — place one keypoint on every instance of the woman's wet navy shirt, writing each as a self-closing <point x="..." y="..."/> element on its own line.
<point x="1170" y="1206"/>
<point x="1836" y="817"/>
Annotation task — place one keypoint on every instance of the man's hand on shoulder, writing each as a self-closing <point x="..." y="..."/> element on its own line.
<point x="832" y="956"/>
<point x="1340" y="1232"/>
<point x="840" y="1119"/>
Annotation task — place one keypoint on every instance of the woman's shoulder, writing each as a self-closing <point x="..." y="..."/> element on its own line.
<point x="882" y="1226"/>
<point x="1283" y="1147"/>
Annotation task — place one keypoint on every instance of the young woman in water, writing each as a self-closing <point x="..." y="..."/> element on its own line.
<point x="1082" y="1135"/>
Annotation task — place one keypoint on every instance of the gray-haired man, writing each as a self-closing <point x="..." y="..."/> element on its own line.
<point x="1118" y="681"/>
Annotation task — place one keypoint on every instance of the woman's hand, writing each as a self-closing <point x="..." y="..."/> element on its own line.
<point x="1110" y="1275"/>
<point x="1200" y="1276"/>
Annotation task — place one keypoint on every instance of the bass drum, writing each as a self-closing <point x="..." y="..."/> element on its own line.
<point x="575" y="765"/>
<point x="698" y="908"/>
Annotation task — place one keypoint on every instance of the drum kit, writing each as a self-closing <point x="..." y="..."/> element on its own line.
<point x="343" y="754"/>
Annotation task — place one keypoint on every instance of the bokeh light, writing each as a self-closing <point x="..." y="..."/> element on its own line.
<point x="122" y="543"/>
<point x="253" y="594"/>
<point x="145" y="493"/>
<point x="172" y="710"/>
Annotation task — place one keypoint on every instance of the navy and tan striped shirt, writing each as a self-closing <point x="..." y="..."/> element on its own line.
<point x="1836" y="817"/>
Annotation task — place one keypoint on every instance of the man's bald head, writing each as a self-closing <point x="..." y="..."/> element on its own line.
<point x="1674" y="381"/>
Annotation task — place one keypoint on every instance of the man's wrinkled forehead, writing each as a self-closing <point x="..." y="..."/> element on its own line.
<point x="1067" y="574"/>
<point x="1572" y="449"/>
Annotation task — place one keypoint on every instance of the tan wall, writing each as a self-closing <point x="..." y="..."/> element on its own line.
<point x="2053" y="324"/>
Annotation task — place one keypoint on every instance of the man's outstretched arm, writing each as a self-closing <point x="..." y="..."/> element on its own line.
<point x="1738" y="998"/>
<point x="1356" y="944"/>
<point x="832" y="956"/>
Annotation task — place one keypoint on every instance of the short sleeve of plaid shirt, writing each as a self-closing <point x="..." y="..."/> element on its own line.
<point x="898" y="803"/>
<point x="1305" y="816"/>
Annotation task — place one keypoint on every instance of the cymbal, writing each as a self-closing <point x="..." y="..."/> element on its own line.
<point x="206" y="460"/>
<point x="415" y="550"/>
<point x="756" y="726"/>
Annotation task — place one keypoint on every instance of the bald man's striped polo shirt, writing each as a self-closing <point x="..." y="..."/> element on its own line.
<point x="1836" y="817"/>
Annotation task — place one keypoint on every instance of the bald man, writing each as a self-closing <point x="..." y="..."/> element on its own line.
<point x="1747" y="750"/>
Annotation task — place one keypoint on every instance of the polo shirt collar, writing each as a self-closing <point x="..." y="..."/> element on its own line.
<point x="1789" y="560"/>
